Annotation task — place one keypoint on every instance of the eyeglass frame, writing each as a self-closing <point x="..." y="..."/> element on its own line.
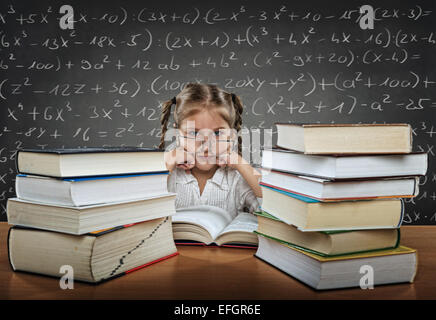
<point x="204" y="141"/>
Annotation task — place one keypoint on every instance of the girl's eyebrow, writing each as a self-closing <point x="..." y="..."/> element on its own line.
<point x="197" y="129"/>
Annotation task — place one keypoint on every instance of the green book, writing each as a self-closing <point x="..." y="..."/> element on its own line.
<point x="327" y="243"/>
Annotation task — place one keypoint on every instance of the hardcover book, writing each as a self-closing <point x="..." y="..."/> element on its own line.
<point x="94" y="257"/>
<point x="334" y="190"/>
<point x="337" y="167"/>
<point x="85" y="191"/>
<point x="389" y="266"/>
<point x="345" y="138"/>
<point x="327" y="243"/>
<point x="84" y="219"/>
<point x="82" y="162"/>
<point x="308" y="214"/>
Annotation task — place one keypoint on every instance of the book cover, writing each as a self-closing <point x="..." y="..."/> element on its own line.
<point x="414" y="193"/>
<point x="320" y="254"/>
<point x="340" y="155"/>
<point x="343" y="124"/>
<point x="86" y="178"/>
<point x="91" y="150"/>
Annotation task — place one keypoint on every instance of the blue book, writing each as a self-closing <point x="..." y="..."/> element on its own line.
<point x="84" y="191"/>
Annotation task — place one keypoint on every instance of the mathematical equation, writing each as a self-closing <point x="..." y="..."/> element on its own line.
<point x="103" y="82"/>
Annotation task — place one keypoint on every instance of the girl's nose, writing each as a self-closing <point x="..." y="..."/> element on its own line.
<point x="206" y="145"/>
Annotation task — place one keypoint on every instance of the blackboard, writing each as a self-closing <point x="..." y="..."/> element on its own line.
<point x="102" y="83"/>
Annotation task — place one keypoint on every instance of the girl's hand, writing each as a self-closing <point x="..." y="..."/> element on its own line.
<point x="185" y="160"/>
<point x="179" y="158"/>
<point x="251" y="175"/>
<point x="229" y="157"/>
<point x="232" y="159"/>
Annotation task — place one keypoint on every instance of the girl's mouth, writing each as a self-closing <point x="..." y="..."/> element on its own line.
<point x="206" y="159"/>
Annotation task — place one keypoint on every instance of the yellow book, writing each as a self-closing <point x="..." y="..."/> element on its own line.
<point x="379" y="253"/>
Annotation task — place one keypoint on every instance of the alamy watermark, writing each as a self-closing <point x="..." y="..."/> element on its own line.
<point x="67" y="19"/>
<point x="67" y="280"/>
<point x="367" y="280"/>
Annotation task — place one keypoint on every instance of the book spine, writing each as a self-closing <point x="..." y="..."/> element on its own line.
<point x="411" y="137"/>
<point x="416" y="187"/>
<point x="9" y="251"/>
<point x="402" y="213"/>
<point x="398" y="238"/>
<point x="291" y="194"/>
<point x="416" y="268"/>
<point x="289" y="191"/>
<point x="16" y="161"/>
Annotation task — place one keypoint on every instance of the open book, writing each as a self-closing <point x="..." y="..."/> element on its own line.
<point x="212" y="225"/>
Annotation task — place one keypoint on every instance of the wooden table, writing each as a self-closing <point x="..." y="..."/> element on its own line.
<point x="219" y="273"/>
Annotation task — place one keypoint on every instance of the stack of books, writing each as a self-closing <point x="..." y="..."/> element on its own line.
<point x="332" y="203"/>
<point x="102" y="211"/>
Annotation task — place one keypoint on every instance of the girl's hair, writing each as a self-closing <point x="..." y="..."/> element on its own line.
<point x="196" y="97"/>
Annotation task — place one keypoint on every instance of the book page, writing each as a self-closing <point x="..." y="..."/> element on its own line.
<point x="211" y="218"/>
<point x="244" y="222"/>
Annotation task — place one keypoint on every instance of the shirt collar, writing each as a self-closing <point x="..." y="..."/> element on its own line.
<point x="219" y="178"/>
<point x="186" y="177"/>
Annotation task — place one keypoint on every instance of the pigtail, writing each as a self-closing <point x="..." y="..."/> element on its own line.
<point x="164" y="119"/>
<point x="237" y="104"/>
<point x="189" y="85"/>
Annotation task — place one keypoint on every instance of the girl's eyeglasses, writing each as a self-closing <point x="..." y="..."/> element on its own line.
<point x="219" y="141"/>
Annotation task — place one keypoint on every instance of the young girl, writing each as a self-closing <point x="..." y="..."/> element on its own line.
<point x="204" y="168"/>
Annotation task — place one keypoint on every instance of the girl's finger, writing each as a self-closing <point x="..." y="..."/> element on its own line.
<point x="181" y="166"/>
<point x="221" y="160"/>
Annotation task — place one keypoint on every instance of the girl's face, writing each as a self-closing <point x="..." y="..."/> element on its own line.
<point x="205" y="134"/>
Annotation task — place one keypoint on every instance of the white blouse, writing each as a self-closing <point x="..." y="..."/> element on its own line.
<point x="227" y="189"/>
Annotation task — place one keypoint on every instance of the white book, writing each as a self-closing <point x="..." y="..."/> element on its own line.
<point x="388" y="266"/>
<point x="345" y="167"/>
<point x="330" y="190"/>
<point x="84" y="219"/>
<point x="92" y="190"/>
<point x="213" y="225"/>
